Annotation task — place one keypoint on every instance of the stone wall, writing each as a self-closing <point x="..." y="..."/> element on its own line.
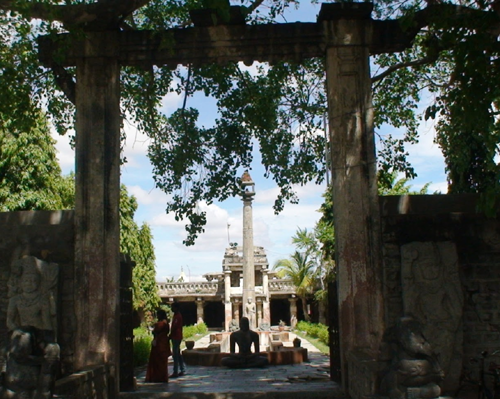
<point x="444" y="232"/>
<point x="45" y="235"/>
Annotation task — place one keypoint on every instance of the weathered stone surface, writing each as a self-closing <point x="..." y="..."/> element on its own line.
<point x="97" y="250"/>
<point x="450" y="219"/>
<point x="34" y="233"/>
<point x="32" y="354"/>
<point x="432" y="293"/>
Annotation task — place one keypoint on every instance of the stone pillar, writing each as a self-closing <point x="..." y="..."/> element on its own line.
<point x="236" y="310"/>
<point x="199" y="309"/>
<point x="347" y="27"/>
<point x="227" y="299"/>
<point x="266" y="312"/>
<point x="248" y="250"/>
<point x="293" y="307"/>
<point x="97" y="222"/>
<point x="259" y="313"/>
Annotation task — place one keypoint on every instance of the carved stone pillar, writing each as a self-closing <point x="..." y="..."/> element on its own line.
<point x="227" y="299"/>
<point x="293" y="307"/>
<point x="97" y="221"/>
<point x="266" y="312"/>
<point x="236" y="310"/>
<point x="259" y="313"/>
<point x="199" y="309"/>
<point x="348" y="27"/>
<point x="265" y="283"/>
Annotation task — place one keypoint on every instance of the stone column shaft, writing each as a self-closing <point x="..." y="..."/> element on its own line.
<point x="354" y="184"/>
<point x="248" y="256"/>
<point x="227" y="299"/>
<point x="293" y="306"/>
<point x="97" y="223"/>
<point x="199" y="310"/>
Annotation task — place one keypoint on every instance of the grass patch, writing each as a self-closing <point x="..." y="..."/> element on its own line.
<point x="315" y="333"/>
<point x="314" y="341"/>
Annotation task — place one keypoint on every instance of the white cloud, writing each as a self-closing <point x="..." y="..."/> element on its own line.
<point x="148" y="198"/>
<point x="65" y="154"/>
<point x="136" y="142"/>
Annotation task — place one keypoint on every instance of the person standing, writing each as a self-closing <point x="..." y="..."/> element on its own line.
<point x="160" y="350"/>
<point x="176" y="337"/>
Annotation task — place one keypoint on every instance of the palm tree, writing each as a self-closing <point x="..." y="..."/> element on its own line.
<point x="301" y="270"/>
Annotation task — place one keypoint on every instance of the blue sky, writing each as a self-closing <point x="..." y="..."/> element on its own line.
<point x="273" y="232"/>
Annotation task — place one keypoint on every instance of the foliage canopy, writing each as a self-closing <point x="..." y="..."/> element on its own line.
<point x="454" y="60"/>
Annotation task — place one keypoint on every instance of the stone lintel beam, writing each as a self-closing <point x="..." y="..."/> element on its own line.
<point x="217" y="44"/>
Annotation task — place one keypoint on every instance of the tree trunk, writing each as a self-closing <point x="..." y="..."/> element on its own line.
<point x="304" y="309"/>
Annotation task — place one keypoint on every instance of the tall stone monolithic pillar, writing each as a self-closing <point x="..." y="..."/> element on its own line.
<point x="227" y="299"/>
<point x="249" y="302"/>
<point x="97" y="223"/>
<point x="347" y="27"/>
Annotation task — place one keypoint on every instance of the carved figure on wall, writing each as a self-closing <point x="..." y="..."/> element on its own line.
<point x="244" y="338"/>
<point x="432" y="294"/>
<point x="233" y="325"/>
<point x="32" y="352"/>
<point x="414" y="371"/>
<point x="250" y="311"/>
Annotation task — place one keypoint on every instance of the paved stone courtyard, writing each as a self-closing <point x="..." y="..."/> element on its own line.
<point x="306" y="380"/>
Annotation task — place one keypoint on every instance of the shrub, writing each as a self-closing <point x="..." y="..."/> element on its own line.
<point x="142" y="345"/>
<point x="319" y="331"/>
<point x="191" y="331"/>
<point x="143" y="339"/>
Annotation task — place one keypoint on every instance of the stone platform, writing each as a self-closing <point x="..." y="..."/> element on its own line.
<point x="202" y="357"/>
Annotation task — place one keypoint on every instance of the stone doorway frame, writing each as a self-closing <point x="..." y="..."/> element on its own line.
<point x="345" y="35"/>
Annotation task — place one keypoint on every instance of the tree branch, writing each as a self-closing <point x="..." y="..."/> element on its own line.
<point x="65" y="82"/>
<point x="256" y="4"/>
<point x="393" y="68"/>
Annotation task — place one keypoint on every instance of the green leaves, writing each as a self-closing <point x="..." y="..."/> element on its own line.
<point x="276" y="109"/>
<point x="280" y="109"/>
<point x="30" y="177"/>
<point x="138" y="243"/>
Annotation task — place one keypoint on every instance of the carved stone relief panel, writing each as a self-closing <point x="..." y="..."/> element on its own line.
<point x="432" y="294"/>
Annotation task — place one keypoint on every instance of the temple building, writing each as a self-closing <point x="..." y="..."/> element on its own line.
<point x="245" y="287"/>
<point x="219" y="299"/>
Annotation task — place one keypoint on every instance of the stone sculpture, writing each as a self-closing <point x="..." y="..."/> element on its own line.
<point x="244" y="338"/>
<point x="432" y="294"/>
<point x="32" y="355"/>
<point x="250" y="312"/>
<point x="414" y="371"/>
<point x="233" y="325"/>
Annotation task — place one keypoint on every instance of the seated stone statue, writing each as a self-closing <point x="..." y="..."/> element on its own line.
<point x="32" y="351"/>
<point x="414" y="371"/>
<point x="244" y="338"/>
<point x="233" y="325"/>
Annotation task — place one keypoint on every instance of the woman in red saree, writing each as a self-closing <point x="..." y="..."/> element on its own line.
<point x="160" y="350"/>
